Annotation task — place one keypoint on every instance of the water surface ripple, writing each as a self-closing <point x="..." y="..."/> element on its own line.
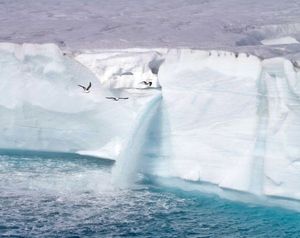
<point x="64" y="195"/>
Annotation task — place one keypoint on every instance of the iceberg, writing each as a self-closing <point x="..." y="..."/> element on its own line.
<point x="211" y="117"/>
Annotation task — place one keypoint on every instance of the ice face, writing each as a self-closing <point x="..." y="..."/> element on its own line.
<point x="211" y="102"/>
<point x="43" y="108"/>
<point x="234" y="121"/>
<point x="282" y="152"/>
<point x="124" y="69"/>
<point x="226" y="119"/>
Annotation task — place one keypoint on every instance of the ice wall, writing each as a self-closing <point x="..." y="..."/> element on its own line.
<point x="226" y="119"/>
<point x="124" y="68"/>
<point x="42" y="107"/>
<point x="212" y="103"/>
<point x="282" y="150"/>
<point x="234" y="121"/>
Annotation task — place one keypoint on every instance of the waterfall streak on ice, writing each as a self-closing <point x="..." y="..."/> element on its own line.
<point x="127" y="165"/>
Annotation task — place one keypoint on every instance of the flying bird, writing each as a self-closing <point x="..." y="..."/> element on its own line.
<point x="295" y="64"/>
<point x="86" y="89"/>
<point x="147" y="83"/>
<point x="127" y="73"/>
<point x="116" y="98"/>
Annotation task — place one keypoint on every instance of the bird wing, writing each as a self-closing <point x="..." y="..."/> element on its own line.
<point x="88" y="87"/>
<point x="111" y="98"/>
<point x="123" y="98"/>
<point x="127" y="73"/>
<point x="150" y="83"/>
<point x="81" y="86"/>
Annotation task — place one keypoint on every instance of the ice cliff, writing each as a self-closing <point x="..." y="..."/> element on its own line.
<point x="234" y="121"/>
<point x="42" y="107"/>
<point x="230" y="120"/>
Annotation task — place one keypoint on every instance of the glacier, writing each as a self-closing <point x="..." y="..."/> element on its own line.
<point x="224" y="119"/>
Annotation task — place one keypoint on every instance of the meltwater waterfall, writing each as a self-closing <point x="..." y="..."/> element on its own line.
<point x="131" y="156"/>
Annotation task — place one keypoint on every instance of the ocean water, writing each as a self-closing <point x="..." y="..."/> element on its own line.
<point x="66" y="195"/>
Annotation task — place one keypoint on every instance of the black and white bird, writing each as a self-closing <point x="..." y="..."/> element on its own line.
<point x="295" y="64"/>
<point x="86" y="89"/>
<point x="147" y="83"/>
<point x="116" y="98"/>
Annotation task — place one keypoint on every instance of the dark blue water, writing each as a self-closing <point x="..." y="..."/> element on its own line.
<point x="64" y="195"/>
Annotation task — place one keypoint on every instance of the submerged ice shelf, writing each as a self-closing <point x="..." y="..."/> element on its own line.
<point x="227" y="119"/>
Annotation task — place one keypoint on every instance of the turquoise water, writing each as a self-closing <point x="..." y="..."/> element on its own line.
<point x="66" y="195"/>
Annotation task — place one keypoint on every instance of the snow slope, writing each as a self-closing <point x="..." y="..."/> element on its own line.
<point x="226" y="119"/>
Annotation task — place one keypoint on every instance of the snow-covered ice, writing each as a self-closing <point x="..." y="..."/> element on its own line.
<point x="280" y="41"/>
<point x="232" y="25"/>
